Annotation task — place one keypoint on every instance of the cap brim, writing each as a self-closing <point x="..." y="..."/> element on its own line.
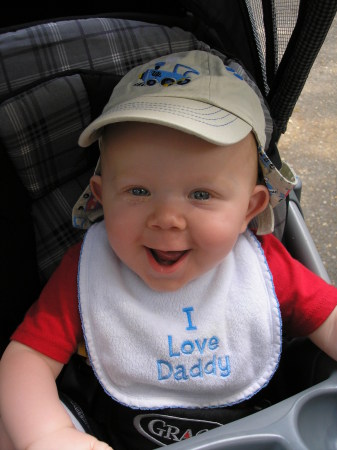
<point x="200" y="119"/>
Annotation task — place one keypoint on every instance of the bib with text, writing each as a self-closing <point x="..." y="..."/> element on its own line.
<point x="214" y="342"/>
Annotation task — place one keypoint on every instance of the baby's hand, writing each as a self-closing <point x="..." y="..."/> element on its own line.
<point x="68" y="439"/>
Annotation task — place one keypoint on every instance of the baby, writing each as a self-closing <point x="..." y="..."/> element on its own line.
<point x="179" y="304"/>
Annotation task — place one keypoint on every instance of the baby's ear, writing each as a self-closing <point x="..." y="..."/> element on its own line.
<point x="96" y="187"/>
<point x="258" y="202"/>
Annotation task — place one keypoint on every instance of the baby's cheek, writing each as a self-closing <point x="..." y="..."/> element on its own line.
<point x="219" y="237"/>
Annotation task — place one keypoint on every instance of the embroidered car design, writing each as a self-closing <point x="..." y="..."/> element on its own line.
<point x="167" y="78"/>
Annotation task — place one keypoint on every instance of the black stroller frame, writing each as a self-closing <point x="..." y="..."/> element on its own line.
<point x="56" y="76"/>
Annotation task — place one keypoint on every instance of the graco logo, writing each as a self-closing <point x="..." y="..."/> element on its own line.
<point x="165" y="430"/>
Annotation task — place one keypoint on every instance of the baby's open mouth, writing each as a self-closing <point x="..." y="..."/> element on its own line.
<point x="167" y="258"/>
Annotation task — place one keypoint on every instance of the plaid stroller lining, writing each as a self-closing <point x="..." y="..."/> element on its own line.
<point x="39" y="128"/>
<point x="97" y="44"/>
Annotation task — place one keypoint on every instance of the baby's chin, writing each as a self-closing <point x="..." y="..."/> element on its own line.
<point x="167" y="285"/>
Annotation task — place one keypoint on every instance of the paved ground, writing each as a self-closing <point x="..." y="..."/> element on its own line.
<point x="310" y="146"/>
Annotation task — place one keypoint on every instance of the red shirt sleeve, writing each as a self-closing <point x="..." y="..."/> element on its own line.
<point x="305" y="299"/>
<point x="52" y="325"/>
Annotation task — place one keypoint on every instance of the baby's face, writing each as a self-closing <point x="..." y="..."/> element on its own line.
<point x="174" y="204"/>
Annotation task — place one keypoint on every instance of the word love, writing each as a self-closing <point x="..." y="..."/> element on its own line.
<point x="197" y="368"/>
<point x="188" y="347"/>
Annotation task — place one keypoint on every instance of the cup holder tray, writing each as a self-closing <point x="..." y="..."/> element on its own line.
<point x="306" y="421"/>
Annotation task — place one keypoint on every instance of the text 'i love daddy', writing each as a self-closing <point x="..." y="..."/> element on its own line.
<point x="195" y="358"/>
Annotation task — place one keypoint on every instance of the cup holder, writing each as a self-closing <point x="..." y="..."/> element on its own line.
<point x="317" y="421"/>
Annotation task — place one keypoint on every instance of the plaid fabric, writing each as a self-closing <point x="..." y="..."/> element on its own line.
<point x="97" y="44"/>
<point x="39" y="128"/>
<point x="45" y="106"/>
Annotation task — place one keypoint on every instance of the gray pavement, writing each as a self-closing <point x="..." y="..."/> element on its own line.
<point x="310" y="146"/>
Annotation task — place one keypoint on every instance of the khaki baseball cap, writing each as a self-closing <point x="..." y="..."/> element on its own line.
<point x="194" y="92"/>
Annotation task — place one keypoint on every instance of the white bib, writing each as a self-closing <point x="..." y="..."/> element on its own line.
<point x="214" y="342"/>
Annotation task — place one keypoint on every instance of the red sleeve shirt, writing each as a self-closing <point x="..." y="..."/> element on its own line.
<point x="52" y="325"/>
<point x="305" y="299"/>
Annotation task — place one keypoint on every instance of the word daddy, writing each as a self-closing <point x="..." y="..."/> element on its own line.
<point x="190" y="359"/>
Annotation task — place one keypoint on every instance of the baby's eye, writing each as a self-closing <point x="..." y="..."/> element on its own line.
<point x="200" y="195"/>
<point x="139" y="192"/>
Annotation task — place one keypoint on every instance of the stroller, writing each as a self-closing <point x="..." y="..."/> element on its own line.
<point x="57" y="74"/>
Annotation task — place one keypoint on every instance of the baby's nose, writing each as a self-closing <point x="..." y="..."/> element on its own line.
<point x="167" y="216"/>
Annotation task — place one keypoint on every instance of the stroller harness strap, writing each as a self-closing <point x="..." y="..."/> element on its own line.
<point x="214" y="342"/>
